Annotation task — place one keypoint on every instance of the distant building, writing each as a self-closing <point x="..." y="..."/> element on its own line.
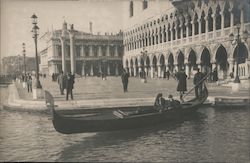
<point x="173" y="34"/>
<point x="15" y="64"/>
<point x="81" y="53"/>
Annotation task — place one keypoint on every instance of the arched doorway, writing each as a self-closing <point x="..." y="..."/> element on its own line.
<point x="154" y="72"/>
<point x="241" y="54"/>
<point x="162" y="66"/>
<point x="148" y="68"/>
<point x="221" y="62"/>
<point x="136" y="67"/>
<point x="171" y="62"/>
<point x="131" y="68"/>
<point x="206" y="66"/>
<point x="192" y="63"/>
<point x="180" y="61"/>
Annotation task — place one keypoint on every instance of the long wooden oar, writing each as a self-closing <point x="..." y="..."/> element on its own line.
<point x="204" y="78"/>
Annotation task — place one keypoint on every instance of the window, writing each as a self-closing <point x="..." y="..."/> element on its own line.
<point x="144" y="4"/>
<point x="131" y="9"/>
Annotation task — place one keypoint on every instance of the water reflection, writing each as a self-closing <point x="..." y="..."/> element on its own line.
<point x="109" y="143"/>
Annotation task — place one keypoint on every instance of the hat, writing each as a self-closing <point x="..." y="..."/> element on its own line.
<point x="170" y="96"/>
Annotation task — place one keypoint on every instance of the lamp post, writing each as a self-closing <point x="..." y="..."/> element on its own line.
<point x="35" y="31"/>
<point x="236" y="40"/>
<point x="24" y="55"/>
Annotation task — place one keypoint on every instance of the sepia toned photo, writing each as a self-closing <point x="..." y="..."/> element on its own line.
<point x="125" y="80"/>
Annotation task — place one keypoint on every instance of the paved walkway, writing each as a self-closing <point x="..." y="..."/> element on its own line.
<point x="94" y="92"/>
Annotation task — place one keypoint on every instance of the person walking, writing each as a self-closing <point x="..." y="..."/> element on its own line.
<point x="182" y="82"/>
<point x="29" y="83"/>
<point x="198" y="83"/>
<point x="124" y="78"/>
<point x="167" y="74"/>
<point x="69" y="85"/>
<point x="62" y="82"/>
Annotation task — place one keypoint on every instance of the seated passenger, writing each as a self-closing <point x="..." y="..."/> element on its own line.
<point x="159" y="102"/>
<point x="172" y="103"/>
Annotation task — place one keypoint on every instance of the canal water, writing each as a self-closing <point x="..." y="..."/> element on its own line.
<point x="210" y="135"/>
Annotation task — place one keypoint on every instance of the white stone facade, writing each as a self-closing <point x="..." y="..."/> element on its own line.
<point x="81" y="53"/>
<point x="186" y="34"/>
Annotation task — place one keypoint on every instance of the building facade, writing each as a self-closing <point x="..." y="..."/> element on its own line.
<point x="81" y="53"/>
<point x="170" y="35"/>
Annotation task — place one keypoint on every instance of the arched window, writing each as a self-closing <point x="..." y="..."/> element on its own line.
<point x="203" y="23"/>
<point x="218" y="17"/>
<point x="210" y="20"/>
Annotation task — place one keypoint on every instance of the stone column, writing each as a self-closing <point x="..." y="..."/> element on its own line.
<point x="116" y="70"/>
<point x="181" y="32"/>
<point x="135" y="71"/>
<point x="152" y="71"/>
<point x="100" y="67"/>
<point x="206" y="27"/>
<point x="176" y="32"/>
<point x="199" y="24"/>
<point x="91" y="51"/>
<point x="162" y="35"/>
<point x="187" y="69"/>
<point x="99" y="50"/>
<point x="116" y="51"/>
<point x="214" y="22"/>
<point x="187" y="29"/>
<point x="171" y="39"/>
<point x="63" y="54"/>
<point x="146" y="70"/>
<point x="232" y="20"/>
<point x="222" y="22"/>
<point x="107" y="51"/>
<point x="231" y="65"/>
<point x="72" y="54"/>
<point x="193" y="28"/>
<point x="213" y="65"/>
<point x="83" y="51"/>
<point x="159" y="71"/>
<point x="91" y="69"/>
<point x="108" y="68"/>
<point x="83" y="69"/>
<point x="130" y="71"/>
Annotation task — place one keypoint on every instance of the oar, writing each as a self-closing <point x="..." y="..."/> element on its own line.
<point x="196" y="85"/>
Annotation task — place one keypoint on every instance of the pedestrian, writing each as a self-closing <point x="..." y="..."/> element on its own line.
<point x="69" y="85"/>
<point x="215" y="75"/>
<point x="182" y="82"/>
<point x="62" y="82"/>
<point x="167" y="74"/>
<point x="29" y="83"/>
<point x="124" y="78"/>
<point x="198" y="83"/>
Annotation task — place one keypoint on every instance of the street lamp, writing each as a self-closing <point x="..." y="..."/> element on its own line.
<point x="236" y="40"/>
<point x="35" y="31"/>
<point x="24" y="64"/>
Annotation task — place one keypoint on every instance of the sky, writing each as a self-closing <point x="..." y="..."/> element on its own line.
<point x="16" y="24"/>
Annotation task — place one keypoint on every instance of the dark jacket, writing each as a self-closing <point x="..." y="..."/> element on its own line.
<point x="125" y="77"/>
<point x="70" y="82"/>
<point x="182" y="81"/>
<point x="198" y="77"/>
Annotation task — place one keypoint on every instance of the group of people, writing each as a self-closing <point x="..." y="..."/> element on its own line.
<point x="161" y="103"/>
<point x="66" y="82"/>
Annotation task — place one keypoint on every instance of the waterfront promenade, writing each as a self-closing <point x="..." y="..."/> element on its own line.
<point x="94" y="92"/>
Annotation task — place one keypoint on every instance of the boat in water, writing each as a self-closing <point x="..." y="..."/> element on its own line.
<point x="120" y="118"/>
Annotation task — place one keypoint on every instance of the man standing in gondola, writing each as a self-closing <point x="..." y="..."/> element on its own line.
<point x="198" y="77"/>
<point x="182" y="82"/>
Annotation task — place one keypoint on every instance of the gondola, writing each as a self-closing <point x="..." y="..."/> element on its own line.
<point x="120" y="118"/>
